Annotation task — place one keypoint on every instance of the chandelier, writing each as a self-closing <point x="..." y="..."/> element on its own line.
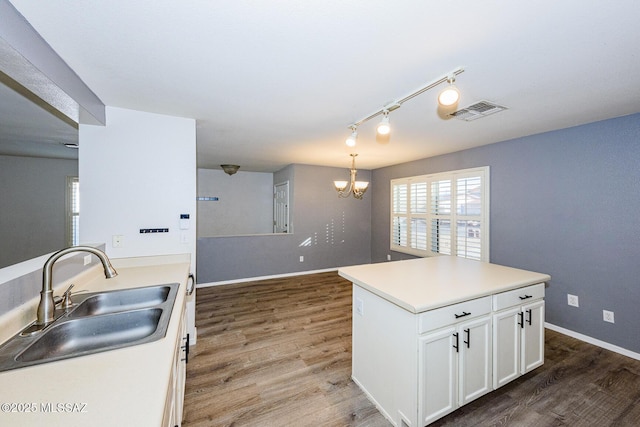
<point x="357" y="188"/>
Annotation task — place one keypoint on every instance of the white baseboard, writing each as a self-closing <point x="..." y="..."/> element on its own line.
<point x="594" y="341"/>
<point x="252" y="279"/>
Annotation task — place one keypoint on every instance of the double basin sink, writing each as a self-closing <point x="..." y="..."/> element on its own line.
<point x="99" y="321"/>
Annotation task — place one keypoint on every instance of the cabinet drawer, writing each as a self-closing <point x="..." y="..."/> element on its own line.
<point x="453" y="314"/>
<point x="518" y="296"/>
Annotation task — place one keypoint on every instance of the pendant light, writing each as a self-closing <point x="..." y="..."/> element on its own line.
<point x="356" y="188"/>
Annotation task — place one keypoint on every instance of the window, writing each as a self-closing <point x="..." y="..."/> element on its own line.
<point x="73" y="210"/>
<point x="445" y="213"/>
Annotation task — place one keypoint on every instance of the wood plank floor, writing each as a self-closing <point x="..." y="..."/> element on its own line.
<point x="278" y="353"/>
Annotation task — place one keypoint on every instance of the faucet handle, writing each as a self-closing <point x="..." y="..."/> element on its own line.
<point x="66" y="302"/>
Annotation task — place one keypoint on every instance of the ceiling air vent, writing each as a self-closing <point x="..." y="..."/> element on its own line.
<point x="477" y="110"/>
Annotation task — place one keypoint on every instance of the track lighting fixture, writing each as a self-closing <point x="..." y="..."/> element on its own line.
<point x="450" y="95"/>
<point x="384" y="127"/>
<point x="352" y="139"/>
<point x="447" y="97"/>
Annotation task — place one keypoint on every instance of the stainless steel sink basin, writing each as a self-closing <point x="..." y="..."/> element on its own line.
<point x="98" y="322"/>
<point x="121" y="300"/>
<point x="100" y="333"/>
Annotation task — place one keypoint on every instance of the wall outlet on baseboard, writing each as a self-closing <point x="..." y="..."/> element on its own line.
<point x="607" y="316"/>
<point x="572" y="300"/>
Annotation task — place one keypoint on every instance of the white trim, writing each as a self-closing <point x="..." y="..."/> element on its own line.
<point x="594" y="341"/>
<point x="253" y="279"/>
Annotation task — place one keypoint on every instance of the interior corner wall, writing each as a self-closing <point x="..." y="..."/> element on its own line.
<point x="138" y="172"/>
<point x="244" y="203"/>
<point x="329" y="232"/>
<point x="563" y="203"/>
<point x="33" y="217"/>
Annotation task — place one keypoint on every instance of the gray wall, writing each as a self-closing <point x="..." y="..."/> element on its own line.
<point x="32" y="197"/>
<point x="329" y="232"/>
<point x="563" y="203"/>
<point x="244" y="205"/>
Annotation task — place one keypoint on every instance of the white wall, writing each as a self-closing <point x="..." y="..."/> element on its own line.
<point x="244" y="205"/>
<point x="138" y="171"/>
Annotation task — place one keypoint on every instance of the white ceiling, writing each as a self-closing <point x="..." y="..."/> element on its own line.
<point x="277" y="82"/>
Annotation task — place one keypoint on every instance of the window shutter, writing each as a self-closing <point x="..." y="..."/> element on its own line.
<point x="73" y="210"/>
<point x="445" y="213"/>
<point x="399" y="229"/>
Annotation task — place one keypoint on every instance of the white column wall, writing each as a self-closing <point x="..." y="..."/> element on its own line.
<point x="138" y="171"/>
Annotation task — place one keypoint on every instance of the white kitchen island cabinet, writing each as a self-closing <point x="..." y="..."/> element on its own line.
<point x="425" y="337"/>
<point x="518" y="333"/>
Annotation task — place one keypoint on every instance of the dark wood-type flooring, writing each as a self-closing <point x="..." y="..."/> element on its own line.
<point x="278" y="353"/>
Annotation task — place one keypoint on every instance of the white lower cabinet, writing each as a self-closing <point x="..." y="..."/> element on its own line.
<point x="175" y="394"/>
<point x="518" y="334"/>
<point x="449" y="355"/>
<point x="454" y="367"/>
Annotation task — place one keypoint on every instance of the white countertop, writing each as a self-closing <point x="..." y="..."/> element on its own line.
<point x="124" y="387"/>
<point x="423" y="284"/>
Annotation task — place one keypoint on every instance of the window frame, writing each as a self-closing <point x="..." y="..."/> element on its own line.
<point x="401" y="222"/>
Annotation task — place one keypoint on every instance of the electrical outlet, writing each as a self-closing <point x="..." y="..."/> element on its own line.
<point x="359" y="306"/>
<point x="301" y="258"/>
<point x="572" y="300"/>
<point x="87" y="259"/>
<point x="116" y="240"/>
<point x="607" y="316"/>
<point x="388" y="257"/>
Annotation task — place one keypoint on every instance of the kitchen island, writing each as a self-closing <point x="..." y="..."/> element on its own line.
<point x="432" y="334"/>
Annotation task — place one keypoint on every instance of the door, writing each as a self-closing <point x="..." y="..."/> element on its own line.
<point x="281" y="208"/>
<point x="437" y="374"/>
<point x="506" y="344"/>
<point x="533" y="336"/>
<point x="475" y="359"/>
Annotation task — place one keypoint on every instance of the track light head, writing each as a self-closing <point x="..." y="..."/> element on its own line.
<point x="352" y="139"/>
<point x="450" y="95"/>
<point x="384" y="127"/>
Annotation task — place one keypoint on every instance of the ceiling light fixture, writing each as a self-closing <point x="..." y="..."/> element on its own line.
<point x="385" y="110"/>
<point x="230" y="169"/>
<point x="357" y="188"/>
<point x="450" y="95"/>
<point x="384" y="127"/>
<point x="353" y="138"/>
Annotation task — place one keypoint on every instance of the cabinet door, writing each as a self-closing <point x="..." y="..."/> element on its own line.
<point x="181" y="370"/>
<point x="437" y="370"/>
<point x="506" y="346"/>
<point x="532" y="346"/>
<point x="475" y="359"/>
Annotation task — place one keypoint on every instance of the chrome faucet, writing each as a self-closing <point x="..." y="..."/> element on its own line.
<point x="47" y="306"/>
